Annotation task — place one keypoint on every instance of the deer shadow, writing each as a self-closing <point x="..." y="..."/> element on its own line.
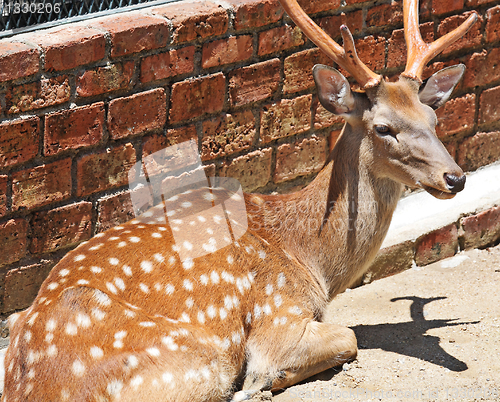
<point x="407" y="338"/>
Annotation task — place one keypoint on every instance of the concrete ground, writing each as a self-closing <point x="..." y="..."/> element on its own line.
<point x="427" y="334"/>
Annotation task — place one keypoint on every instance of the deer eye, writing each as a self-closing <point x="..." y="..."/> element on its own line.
<point x="382" y="129"/>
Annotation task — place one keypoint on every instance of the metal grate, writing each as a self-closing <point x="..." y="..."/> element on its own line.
<point x="26" y="15"/>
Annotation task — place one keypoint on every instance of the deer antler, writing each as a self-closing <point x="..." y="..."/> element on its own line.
<point x="419" y="52"/>
<point x="346" y="56"/>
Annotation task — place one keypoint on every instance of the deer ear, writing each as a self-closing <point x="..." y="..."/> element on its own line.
<point x="437" y="89"/>
<point x="334" y="92"/>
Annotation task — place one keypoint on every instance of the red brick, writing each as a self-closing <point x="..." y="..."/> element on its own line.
<point x="41" y="185"/>
<point x="479" y="150"/>
<point x="298" y="69"/>
<point x="371" y="50"/>
<point x="157" y="142"/>
<point x="18" y="60"/>
<point x="447" y="6"/>
<point x="317" y="6"/>
<point x="279" y="39"/>
<point x="255" y="13"/>
<point x="137" y="114"/>
<point x="482" y="68"/>
<point x="61" y="227"/>
<point x="133" y="32"/>
<point x="457" y="116"/>
<point x="385" y="14"/>
<point x="73" y="128"/>
<point x="396" y="52"/>
<point x="349" y="2"/>
<point x="470" y="39"/>
<point x="252" y="170"/>
<point x="479" y="2"/>
<point x="482" y="229"/>
<point x="323" y="118"/>
<point x="437" y="245"/>
<point x="493" y="24"/>
<point x="70" y="47"/>
<point x="3" y="194"/>
<point x="19" y="141"/>
<point x="300" y="159"/>
<point x="105" y="79"/>
<point x="227" y="134"/>
<point x="37" y="95"/>
<point x="227" y="51"/>
<point x="193" y="20"/>
<point x="489" y="110"/>
<point x="114" y="210"/>
<point x="195" y="97"/>
<point x="254" y="83"/>
<point x="101" y="171"/>
<point x="22" y="285"/>
<point x="167" y="64"/>
<point x="14" y="240"/>
<point x="331" y="25"/>
<point x="285" y="118"/>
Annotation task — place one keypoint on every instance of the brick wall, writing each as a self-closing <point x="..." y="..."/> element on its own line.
<point x="82" y="103"/>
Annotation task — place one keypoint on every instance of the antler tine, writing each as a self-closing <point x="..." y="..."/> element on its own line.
<point x="419" y="52"/>
<point x="346" y="56"/>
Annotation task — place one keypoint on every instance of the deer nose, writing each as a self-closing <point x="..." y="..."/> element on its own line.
<point x="454" y="183"/>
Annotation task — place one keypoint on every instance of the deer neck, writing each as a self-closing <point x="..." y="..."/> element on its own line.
<point x="334" y="226"/>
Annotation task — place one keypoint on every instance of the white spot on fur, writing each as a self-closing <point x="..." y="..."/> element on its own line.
<point x="262" y="254"/>
<point x="134" y="239"/>
<point x="188" y="285"/>
<point x="96" y="352"/>
<point x="52" y="351"/>
<point x="50" y="325"/>
<point x="136" y="381"/>
<point x="83" y="320"/>
<point x="281" y="280"/>
<point x="295" y="310"/>
<point x="64" y="272"/>
<point x="204" y="279"/>
<point x="127" y="270"/>
<point x="52" y="285"/>
<point x="215" y="277"/>
<point x="158" y="257"/>
<point x="82" y="282"/>
<point x="78" y="368"/>
<point x="168" y="341"/>
<point x="188" y="263"/>
<point x="71" y="329"/>
<point x="169" y="289"/>
<point x="144" y="287"/>
<point x="167" y="377"/>
<point x="147" y="324"/>
<point x="79" y="257"/>
<point x="111" y="288"/>
<point x="147" y="266"/>
<point x="114" y="387"/>
<point x="269" y="289"/>
<point x="120" y="284"/>
<point x="278" y="301"/>
<point x="98" y="314"/>
<point x="132" y="361"/>
<point x="201" y="317"/>
<point x="155" y="352"/>
<point x="114" y="261"/>
<point x="211" y="311"/>
<point x="96" y="270"/>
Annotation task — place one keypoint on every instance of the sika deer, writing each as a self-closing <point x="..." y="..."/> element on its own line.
<point x="130" y="316"/>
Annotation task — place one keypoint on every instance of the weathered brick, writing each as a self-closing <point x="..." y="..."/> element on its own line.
<point x="37" y="95"/>
<point x="3" y="194"/>
<point x="73" y="128"/>
<point x="41" y="185"/>
<point x="396" y="51"/>
<point x="479" y="150"/>
<point x="317" y="6"/>
<point x="61" y="227"/>
<point x="389" y="261"/>
<point x="18" y="60"/>
<point x="385" y="14"/>
<point x="133" y="32"/>
<point x="298" y="70"/>
<point x="196" y="97"/>
<point x="14" y="240"/>
<point x="254" y="83"/>
<point x="299" y="159"/>
<point x="22" y="285"/>
<point x="481" y="229"/>
<point x="437" y="245"/>
<point x="105" y="79"/>
<point x="478" y="2"/>
<point x="447" y="6"/>
<point x="193" y="20"/>
<point x="137" y="114"/>
<point x="114" y="210"/>
<point x="227" y="51"/>
<point x="18" y="140"/>
<point x="489" y="110"/>
<point x="167" y="64"/>
<point x="227" y="134"/>
<point x="493" y="24"/>
<point x="157" y="142"/>
<point x="285" y="118"/>
<point x="456" y="116"/>
<point x="371" y="49"/>
<point x="331" y="24"/>
<point x="470" y="39"/>
<point x="279" y="39"/>
<point x="255" y="13"/>
<point x="482" y="68"/>
<point x="324" y="118"/>
<point x="252" y="170"/>
<point x="101" y="171"/>
<point x="70" y="47"/>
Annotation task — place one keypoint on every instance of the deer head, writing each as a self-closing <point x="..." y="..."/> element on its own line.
<point x="395" y="120"/>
